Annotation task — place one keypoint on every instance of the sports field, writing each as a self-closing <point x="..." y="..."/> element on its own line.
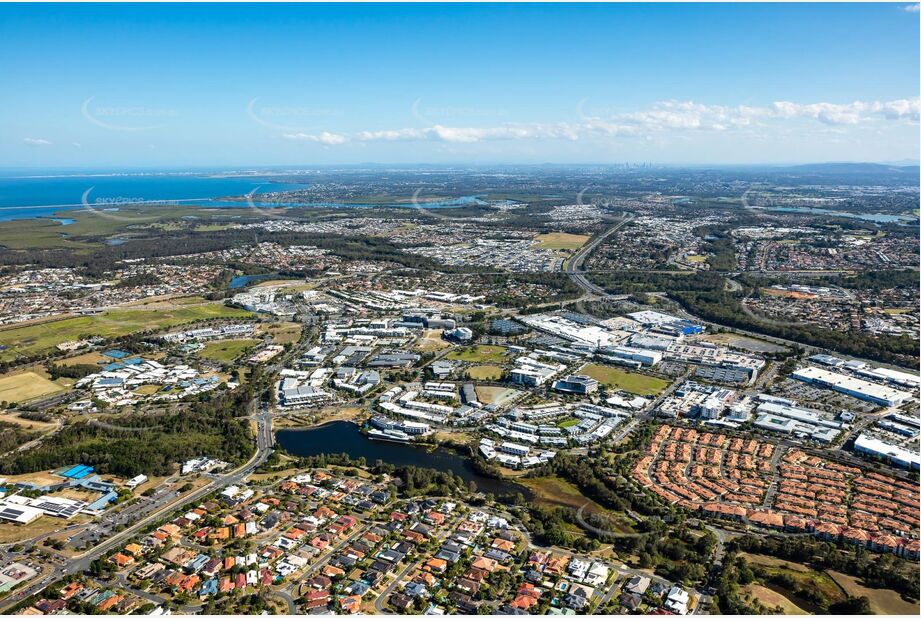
<point x="28" y="385"/>
<point x="478" y="354"/>
<point x="614" y="377"/>
<point x="560" y="240"/>
<point x="227" y="350"/>
<point x="484" y="372"/>
<point x="39" y="338"/>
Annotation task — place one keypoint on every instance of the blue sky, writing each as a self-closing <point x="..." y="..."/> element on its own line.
<point x="249" y="85"/>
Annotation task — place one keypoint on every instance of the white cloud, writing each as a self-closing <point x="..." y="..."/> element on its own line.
<point x="77" y="144"/>
<point x="34" y="141"/>
<point x="326" y="138"/>
<point x="912" y="8"/>
<point x="468" y="135"/>
<point x="662" y="118"/>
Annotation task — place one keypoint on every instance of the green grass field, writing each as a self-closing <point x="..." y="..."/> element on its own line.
<point x="227" y="350"/>
<point x="478" y="354"/>
<point x="614" y="377"/>
<point x="568" y="423"/>
<point x="39" y="338"/>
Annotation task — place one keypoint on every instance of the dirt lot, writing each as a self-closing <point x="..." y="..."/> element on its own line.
<point x="431" y="341"/>
<point x="493" y="394"/>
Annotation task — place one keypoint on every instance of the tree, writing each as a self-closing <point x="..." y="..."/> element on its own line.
<point x="851" y="606"/>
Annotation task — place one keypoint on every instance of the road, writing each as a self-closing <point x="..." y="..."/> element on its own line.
<point x="82" y="561"/>
<point x="380" y="603"/>
<point x="573" y="266"/>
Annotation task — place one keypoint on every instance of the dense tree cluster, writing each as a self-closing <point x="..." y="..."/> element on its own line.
<point x="150" y="444"/>
<point x="13" y="436"/>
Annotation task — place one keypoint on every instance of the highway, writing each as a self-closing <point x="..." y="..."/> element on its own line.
<point x="573" y="266"/>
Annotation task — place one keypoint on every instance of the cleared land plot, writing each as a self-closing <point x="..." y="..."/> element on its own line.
<point x="478" y="354"/>
<point x="42" y="337"/>
<point x="28" y="385"/>
<point x="227" y="350"/>
<point x="493" y="394"/>
<point x="431" y="341"/>
<point x="484" y="372"/>
<point x="560" y="240"/>
<point x="771" y="599"/>
<point x="614" y="377"/>
<point x="287" y="332"/>
<point x="744" y="343"/>
<point x="882" y="600"/>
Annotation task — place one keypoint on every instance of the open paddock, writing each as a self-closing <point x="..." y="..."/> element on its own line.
<point x="41" y="337"/>
<point x="617" y="378"/>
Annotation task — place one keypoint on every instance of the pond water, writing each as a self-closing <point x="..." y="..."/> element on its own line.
<point x="344" y="437"/>
<point x="874" y="217"/>
<point x="241" y="281"/>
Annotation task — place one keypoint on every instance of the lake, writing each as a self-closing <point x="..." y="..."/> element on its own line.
<point x="344" y="437"/>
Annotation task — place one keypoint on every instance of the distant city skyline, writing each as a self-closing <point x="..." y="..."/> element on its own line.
<point x="129" y="86"/>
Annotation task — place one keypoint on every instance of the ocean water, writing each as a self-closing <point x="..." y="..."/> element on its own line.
<point x="27" y="197"/>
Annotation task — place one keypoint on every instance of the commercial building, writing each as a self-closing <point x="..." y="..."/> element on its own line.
<point x="576" y="384"/>
<point x="793" y="420"/>
<point x="855" y="387"/>
<point x="895" y="455"/>
<point x="531" y="372"/>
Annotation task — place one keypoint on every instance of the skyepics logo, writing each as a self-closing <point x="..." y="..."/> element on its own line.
<point x="270" y="205"/>
<point x="289" y="119"/>
<point x="126" y="118"/>
<point x="113" y="207"/>
<point x="434" y="113"/>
